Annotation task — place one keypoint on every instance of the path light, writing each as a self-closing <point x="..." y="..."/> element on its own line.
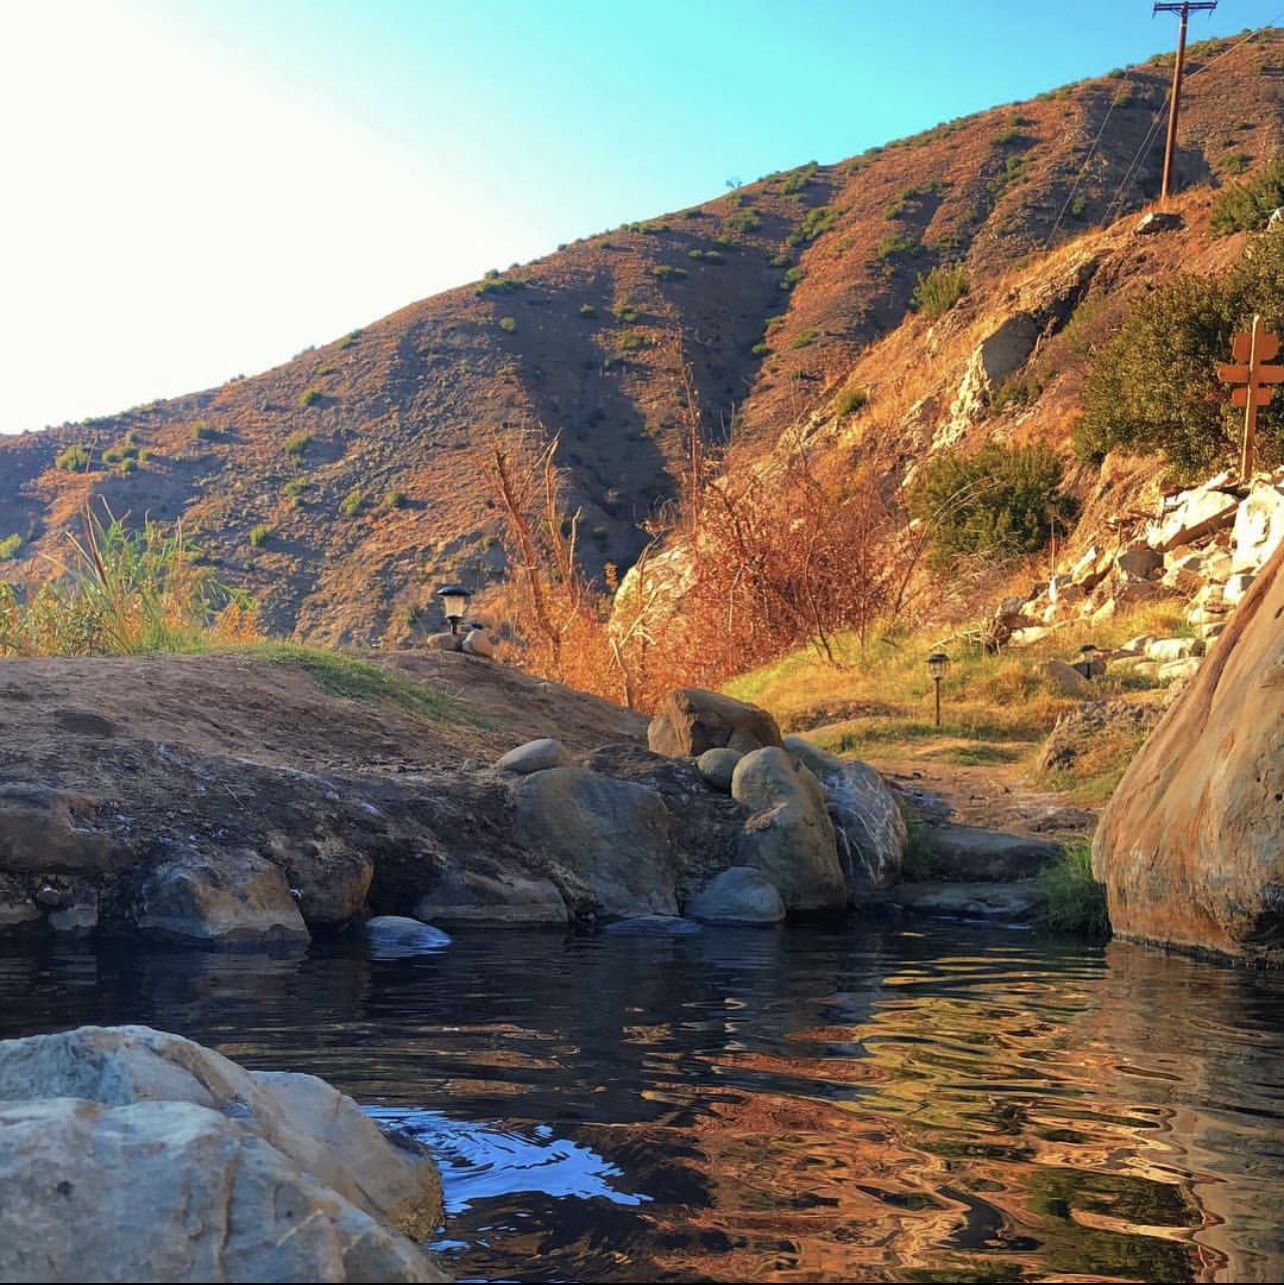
<point x="937" y="663"/>
<point x="1089" y="658"/>
<point x="454" y="602"/>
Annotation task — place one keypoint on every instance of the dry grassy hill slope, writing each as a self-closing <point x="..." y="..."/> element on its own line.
<point x="341" y="487"/>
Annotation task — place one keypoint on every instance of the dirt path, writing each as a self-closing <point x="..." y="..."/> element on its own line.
<point x="993" y="796"/>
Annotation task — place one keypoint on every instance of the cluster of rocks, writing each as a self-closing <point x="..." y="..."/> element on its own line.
<point x="1204" y="545"/>
<point x="719" y="818"/>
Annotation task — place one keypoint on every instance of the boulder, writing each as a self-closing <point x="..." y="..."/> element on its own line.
<point x="739" y="895"/>
<point x="869" y="826"/>
<point x="535" y="756"/>
<point x="330" y="878"/>
<point x="397" y="936"/>
<point x="613" y="836"/>
<point x="1065" y="676"/>
<point x="227" y="897"/>
<point x="974" y="854"/>
<point x="692" y="720"/>
<point x="500" y="898"/>
<point x="1192" y="515"/>
<point x="717" y="767"/>
<point x="789" y="836"/>
<point x="134" y="1154"/>
<point x="1190" y="846"/>
<point x="1259" y="526"/>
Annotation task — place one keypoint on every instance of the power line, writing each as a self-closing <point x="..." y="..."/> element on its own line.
<point x="1115" y="205"/>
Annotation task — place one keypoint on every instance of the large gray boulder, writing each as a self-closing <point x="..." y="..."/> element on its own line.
<point x="739" y="895"/>
<point x="612" y="835"/>
<point x="1190" y="846"/>
<point x="136" y="1155"/>
<point x="499" y="898"/>
<point x="869" y="826"/>
<point x="789" y="835"/>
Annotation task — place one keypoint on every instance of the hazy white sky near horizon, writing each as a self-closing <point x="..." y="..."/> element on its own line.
<point x="198" y="189"/>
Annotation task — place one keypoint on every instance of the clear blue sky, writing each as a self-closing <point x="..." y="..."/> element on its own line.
<point x="196" y="189"/>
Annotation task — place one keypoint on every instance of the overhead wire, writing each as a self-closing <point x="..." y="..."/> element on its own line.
<point x="1116" y="203"/>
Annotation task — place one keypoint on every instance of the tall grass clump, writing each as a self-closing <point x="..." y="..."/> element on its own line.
<point x="1074" y="901"/>
<point x="123" y="591"/>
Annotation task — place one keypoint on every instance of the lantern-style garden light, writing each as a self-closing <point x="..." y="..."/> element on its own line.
<point x="1089" y="660"/>
<point x="454" y="602"/>
<point x="937" y="663"/>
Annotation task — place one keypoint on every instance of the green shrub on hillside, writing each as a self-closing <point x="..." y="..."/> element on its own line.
<point x="1000" y="501"/>
<point x="75" y="459"/>
<point x="849" y="400"/>
<point x="9" y="547"/>
<point x="1154" y="387"/>
<point x="815" y="222"/>
<point x="894" y="243"/>
<point x="124" y="591"/>
<point x="940" y="290"/>
<point x="745" y="220"/>
<point x="296" y="446"/>
<point x="1246" y="206"/>
<point x="798" y="179"/>
<point x="495" y="283"/>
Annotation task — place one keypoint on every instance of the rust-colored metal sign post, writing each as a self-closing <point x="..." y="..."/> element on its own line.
<point x="1252" y="351"/>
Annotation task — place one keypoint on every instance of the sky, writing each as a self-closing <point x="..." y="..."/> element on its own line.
<point x="199" y="189"/>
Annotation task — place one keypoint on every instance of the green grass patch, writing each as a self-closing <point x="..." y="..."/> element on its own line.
<point x="343" y="674"/>
<point x="1076" y="902"/>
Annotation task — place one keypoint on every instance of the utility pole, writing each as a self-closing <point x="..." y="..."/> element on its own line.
<point x="1183" y="8"/>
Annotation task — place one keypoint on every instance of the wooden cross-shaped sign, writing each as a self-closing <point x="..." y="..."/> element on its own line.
<point x="1252" y="351"/>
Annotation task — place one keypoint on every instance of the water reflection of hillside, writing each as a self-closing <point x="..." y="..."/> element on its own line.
<point x="1012" y="1127"/>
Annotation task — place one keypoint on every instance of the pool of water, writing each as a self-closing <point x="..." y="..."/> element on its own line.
<point x="851" y="1102"/>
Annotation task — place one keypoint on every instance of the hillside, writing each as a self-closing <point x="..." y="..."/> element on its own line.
<point x="342" y="487"/>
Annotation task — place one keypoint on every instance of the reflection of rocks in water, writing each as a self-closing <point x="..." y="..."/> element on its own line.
<point x="1213" y="1095"/>
<point x="258" y="988"/>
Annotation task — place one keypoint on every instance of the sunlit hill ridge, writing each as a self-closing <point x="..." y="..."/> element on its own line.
<point x="342" y="487"/>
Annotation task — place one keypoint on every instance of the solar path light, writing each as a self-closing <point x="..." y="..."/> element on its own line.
<point x="937" y="663"/>
<point x="454" y="602"/>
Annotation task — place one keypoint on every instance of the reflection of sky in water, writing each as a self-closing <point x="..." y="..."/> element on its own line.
<point x="480" y="1162"/>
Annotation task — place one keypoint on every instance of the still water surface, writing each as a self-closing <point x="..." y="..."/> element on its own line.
<point x="848" y="1103"/>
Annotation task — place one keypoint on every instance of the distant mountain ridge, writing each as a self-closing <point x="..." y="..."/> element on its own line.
<point x="343" y="486"/>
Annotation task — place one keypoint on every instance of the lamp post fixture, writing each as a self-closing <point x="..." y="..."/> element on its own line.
<point x="1089" y="660"/>
<point x="937" y="663"/>
<point x="454" y="602"/>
